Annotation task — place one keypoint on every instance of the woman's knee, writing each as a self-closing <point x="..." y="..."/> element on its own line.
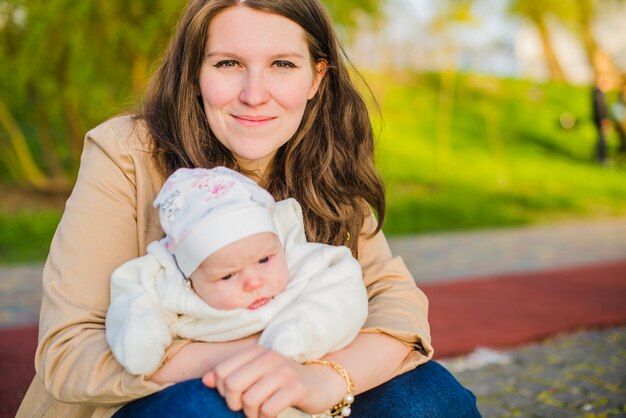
<point x="428" y="391"/>
<point x="186" y="399"/>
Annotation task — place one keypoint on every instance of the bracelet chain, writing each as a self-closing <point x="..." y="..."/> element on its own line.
<point x="342" y="409"/>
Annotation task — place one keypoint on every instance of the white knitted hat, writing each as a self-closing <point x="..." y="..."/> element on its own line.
<point x="203" y="210"/>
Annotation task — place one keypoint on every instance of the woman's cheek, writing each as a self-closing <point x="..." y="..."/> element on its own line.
<point x="289" y="94"/>
<point x="218" y="90"/>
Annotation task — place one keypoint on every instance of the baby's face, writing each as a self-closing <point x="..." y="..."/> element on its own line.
<point x="245" y="274"/>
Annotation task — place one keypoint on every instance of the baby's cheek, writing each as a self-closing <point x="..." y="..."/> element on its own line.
<point x="214" y="297"/>
<point x="229" y="300"/>
<point x="284" y="279"/>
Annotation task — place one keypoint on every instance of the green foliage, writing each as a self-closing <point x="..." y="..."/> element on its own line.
<point x="67" y="65"/>
<point x="536" y="10"/>
<point x="345" y="12"/>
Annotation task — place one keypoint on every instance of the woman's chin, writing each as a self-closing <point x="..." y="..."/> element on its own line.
<point x="254" y="160"/>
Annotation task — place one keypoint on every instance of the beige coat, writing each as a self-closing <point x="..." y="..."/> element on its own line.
<point x="108" y="220"/>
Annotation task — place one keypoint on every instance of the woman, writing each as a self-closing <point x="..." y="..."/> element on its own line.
<point x="258" y="86"/>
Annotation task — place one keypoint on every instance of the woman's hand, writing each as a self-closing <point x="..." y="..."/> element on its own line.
<point x="264" y="383"/>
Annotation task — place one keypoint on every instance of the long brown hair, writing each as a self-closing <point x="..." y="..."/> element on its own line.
<point x="328" y="165"/>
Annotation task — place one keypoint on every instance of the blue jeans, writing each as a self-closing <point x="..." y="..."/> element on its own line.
<point x="429" y="391"/>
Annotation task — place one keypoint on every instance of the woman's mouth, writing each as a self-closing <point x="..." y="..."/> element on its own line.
<point x="253" y="121"/>
<point x="258" y="303"/>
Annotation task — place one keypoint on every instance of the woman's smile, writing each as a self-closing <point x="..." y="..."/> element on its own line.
<point x="253" y="121"/>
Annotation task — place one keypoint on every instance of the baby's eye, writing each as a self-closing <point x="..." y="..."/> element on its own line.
<point x="228" y="276"/>
<point x="264" y="260"/>
<point x="284" y="64"/>
<point x="226" y="63"/>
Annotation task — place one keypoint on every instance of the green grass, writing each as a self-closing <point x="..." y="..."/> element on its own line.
<point x="487" y="153"/>
<point x="25" y="236"/>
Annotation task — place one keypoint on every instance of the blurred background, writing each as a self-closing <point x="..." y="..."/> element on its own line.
<point x="483" y="108"/>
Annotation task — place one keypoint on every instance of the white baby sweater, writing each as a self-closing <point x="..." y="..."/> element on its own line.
<point x="321" y="310"/>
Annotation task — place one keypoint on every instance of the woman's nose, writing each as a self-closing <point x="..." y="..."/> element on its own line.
<point x="254" y="91"/>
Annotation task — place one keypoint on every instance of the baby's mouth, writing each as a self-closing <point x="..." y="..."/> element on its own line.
<point x="258" y="303"/>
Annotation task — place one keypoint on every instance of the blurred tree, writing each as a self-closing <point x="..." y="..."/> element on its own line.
<point x="536" y="12"/>
<point x="599" y="59"/>
<point x="347" y="12"/>
<point x="578" y="15"/>
<point x="66" y="65"/>
<point x="449" y="14"/>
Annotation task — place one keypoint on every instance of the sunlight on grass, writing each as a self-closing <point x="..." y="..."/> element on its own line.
<point x="497" y="157"/>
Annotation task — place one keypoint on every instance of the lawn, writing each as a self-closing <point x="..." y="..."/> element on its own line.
<point x="456" y="152"/>
<point x="468" y="151"/>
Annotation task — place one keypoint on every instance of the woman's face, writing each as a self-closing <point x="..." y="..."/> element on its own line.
<point x="255" y="82"/>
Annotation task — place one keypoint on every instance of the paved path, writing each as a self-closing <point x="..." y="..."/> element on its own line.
<point x="20" y="295"/>
<point x="579" y="375"/>
<point x="453" y="256"/>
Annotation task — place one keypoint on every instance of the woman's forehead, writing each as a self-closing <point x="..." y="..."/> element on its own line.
<point x="245" y="29"/>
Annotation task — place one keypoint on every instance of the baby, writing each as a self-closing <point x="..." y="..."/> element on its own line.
<point x="233" y="263"/>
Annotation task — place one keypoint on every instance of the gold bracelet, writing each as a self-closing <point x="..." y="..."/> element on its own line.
<point x="342" y="409"/>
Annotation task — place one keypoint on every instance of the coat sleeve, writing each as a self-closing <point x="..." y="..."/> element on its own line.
<point x="396" y="306"/>
<point x="136" y="327"/>
<point x="329" y="312"/>
<point x="97" y="233"/>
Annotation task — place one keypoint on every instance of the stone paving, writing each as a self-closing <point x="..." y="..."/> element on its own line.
<point x="576" y="375"/>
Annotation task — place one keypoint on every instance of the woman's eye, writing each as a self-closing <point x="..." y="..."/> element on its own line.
<point x="264" y="260"/>
<point x="228" y="276"/>
<point x="284" y="64"/>
<point x="226" y="63"/>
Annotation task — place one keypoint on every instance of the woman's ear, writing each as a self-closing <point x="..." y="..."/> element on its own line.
<point x="319" y="71"/>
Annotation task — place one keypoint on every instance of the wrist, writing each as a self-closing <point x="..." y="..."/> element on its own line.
<point x="331" y="384"/>
<point x="339" y="377"/>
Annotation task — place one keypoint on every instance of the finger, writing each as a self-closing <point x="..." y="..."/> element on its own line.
<point x="209" y="379"/>
<point x="258" y="393"/>
<point x="226" y="367"/>
<point x="280" y="400"/>
<point x="247" y="375"/>
<point x="283" y="379"/>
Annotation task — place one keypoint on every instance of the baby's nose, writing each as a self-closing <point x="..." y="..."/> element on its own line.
<point x="252" y="281"/>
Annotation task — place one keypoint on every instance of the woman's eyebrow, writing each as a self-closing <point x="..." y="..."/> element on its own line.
<point x="287" y="55"/>
<point x="281" y="55"/>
